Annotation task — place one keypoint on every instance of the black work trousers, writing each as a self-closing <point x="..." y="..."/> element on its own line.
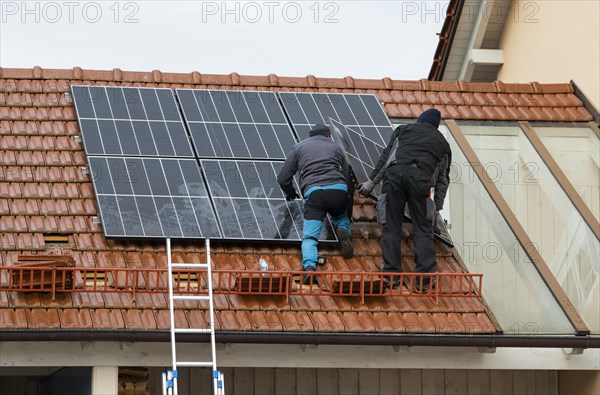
<point x="401" y="185"/>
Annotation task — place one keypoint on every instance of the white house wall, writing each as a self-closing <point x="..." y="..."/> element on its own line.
<point x="48" y="354"/>
<point x="551" y="41"/>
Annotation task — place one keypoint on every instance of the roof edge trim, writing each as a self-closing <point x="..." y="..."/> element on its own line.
<point x="325" y="338"/>
<point x="587" y="104"/>
<point x="442" y="52"/>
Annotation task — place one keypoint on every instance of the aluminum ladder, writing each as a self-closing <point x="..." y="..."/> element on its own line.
<point x="169" y="378"/>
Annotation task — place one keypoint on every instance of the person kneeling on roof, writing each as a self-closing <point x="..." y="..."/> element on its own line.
<point x="323" y="182"/>
<point x="415" y="170"/>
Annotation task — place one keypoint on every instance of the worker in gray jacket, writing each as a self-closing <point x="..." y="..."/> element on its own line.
<point x="415" y="170"/>
<point x="324" y="185"/>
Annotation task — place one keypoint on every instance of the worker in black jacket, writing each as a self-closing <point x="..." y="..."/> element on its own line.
<point x="323" y="183"/>
<point x="415" y="170"/>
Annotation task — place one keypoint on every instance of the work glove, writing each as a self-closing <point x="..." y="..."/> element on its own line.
<point x="291" y="196"/>
<point x="366" y="188"/>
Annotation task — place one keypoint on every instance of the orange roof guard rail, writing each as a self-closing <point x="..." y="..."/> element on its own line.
<point x="240" y="282"/>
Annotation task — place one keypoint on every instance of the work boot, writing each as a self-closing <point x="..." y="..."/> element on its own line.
<point x="427" y="287"/>
<point x="391" y="282"/>
<point x="306" y="279"/>
<point x="345" y="243"/>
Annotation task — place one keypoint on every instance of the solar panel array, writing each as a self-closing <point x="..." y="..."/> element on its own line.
<point x="361" y="112"/>
<point x="146" y="179"/>
<point x="204" y="163"/>
<point x="236" y="124"/>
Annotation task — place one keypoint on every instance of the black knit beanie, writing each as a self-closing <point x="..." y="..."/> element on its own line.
<point x="430" y="116"/>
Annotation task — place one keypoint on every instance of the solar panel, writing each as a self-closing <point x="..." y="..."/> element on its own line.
<point x="130" y="121"/>
<point x="236" y="124"/>
<point x="361" y="112"/>
<point x="362" y="153"/>
<point x="152" y="197"/>
<point x="250" y="204"/>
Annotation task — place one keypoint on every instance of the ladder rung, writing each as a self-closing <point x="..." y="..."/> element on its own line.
<point x="195" y="364"/>
<point x="191" y="297"/>
<point x="191" y="330"/>
<point x="189" y="265"/>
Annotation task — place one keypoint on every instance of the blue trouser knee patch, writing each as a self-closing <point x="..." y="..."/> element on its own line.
<point x="342" y="221"/>
<point x="310" y="237"/>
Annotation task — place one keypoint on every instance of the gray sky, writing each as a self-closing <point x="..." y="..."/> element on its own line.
<point x="364" y="39"/>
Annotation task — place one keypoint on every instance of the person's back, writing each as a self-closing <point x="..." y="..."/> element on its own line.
<point x="423" y="144"/>
<point x="322" y="165"/>
<point x="320" y="162"/>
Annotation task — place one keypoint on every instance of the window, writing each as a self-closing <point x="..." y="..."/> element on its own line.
<point x="577" y="152"/>
<point x="554" y="225"/>
<point x="513" y="288"/>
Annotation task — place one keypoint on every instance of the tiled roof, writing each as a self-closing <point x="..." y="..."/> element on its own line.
<point x="43" y="190"/>
<point x="35" y="94"/>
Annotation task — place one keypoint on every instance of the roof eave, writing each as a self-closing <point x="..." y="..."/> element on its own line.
<point x="322" y="338"/>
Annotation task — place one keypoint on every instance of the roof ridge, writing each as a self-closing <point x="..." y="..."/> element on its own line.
<point x="273" y="80"/>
